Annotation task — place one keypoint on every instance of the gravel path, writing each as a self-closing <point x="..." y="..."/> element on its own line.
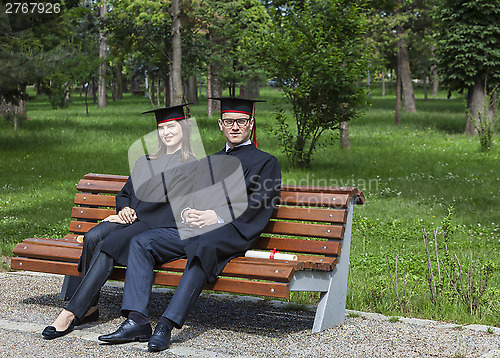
<point x="225" y="326"/>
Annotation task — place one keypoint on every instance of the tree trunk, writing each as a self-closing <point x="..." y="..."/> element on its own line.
<point x="209" y="90"/>
<point x="166" y="90"/>
<point x="476" y="107"/>
<point x="383" y="83"/>
<point x="158" y="90"/>
<point x="177" y="93"/>
<point x="250" y="90"/>
<point x="397" y="119"/>
<point x="134" y="83"/>
<point x="151" y="90"/>
<point x="435" y="80"/>
<point x="103" y="47"/>
<point x="119" y="81"/>
<point x="86" y="102"/>
<point x="94" y="90"/>
<point x="345" y="142"/>
<point x="216" y="92"/>
<point x="406" y="80"/>
<point x="192" y="90"/>
<point x="425" y="87"/>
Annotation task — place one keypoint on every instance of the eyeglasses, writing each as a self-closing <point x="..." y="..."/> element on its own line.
<point x="241" y="122"/>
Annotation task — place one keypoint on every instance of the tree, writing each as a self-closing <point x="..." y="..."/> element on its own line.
<point x="230" y="27"/>
<point x="102" y="100"/>
<point x="468" y="52"/>
<point x="32" y="44"/>
<point x="177" y="92"/>
<point x="316" y="50"/>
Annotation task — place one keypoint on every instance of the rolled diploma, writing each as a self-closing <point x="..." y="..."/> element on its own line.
<point x="79" y="239"/>
<point x="267" y="255"/>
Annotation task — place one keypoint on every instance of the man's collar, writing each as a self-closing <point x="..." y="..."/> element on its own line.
<point x="239" y="145"/>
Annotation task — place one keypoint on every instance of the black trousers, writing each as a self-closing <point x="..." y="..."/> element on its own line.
<point x="95" y="265"/>
<point x="148" y="249"/>
<point x="87" y="294"/>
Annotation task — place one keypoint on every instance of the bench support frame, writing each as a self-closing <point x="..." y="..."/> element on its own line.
<point x="332" y="285"/>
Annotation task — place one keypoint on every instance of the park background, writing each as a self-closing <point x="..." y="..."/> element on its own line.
<point x="74" y="84"/>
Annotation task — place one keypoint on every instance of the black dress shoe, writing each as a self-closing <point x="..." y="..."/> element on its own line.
<point x="160" y="340"/>
<point x="50" y="332"/>
<point x="94" y="316"/>
<point x="129" y="331"/>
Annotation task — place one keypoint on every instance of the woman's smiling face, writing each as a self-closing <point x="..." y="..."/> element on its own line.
<point x="171" y="135"/>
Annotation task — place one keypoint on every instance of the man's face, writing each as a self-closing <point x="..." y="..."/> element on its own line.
<point x="236" y="133"/>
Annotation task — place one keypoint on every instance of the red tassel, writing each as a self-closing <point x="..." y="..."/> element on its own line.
<point x="254" y="133"/>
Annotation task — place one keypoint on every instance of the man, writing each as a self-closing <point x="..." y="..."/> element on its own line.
<point x="229" y="235"/>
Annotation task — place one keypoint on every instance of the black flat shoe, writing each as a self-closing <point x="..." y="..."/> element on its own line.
<point x="160" y="340"/>
<point x="50" y="332"/>
<point x="129" y="331"/>
<point x="94" y="316"/>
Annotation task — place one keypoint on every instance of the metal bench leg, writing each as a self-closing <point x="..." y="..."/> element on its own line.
<point x="331" y="306"/>
<point x="69" y="286"/>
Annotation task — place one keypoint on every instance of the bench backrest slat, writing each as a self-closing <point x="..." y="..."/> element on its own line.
<point x="87" y="199"/>
<point x="305" y="229"/>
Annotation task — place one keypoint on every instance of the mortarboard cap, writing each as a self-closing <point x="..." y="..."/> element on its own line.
<point x="174" y="113"/>
<point x="236" y="104"/>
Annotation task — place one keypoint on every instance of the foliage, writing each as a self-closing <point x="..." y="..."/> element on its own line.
<point x="468" y="43"/>
<point x="466" y="280"/>
<point x="230" y="27"/>
<point x="30" y="46"/>
<point x="316" y="51"/>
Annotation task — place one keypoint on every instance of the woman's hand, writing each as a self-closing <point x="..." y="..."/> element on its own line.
<point x="200" y="218"/>
<point x="127" y="215"/>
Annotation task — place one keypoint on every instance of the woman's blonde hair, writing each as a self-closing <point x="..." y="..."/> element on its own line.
<point x="186" y="150"/>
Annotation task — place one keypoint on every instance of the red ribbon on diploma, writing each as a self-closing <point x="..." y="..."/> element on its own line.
<point x="273" y="252"/>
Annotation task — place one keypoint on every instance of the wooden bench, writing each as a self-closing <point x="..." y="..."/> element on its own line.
<point x="314" y="223"/>
<point x="138" y="92"/>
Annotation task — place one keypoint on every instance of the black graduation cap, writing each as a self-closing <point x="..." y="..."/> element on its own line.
<point x="236" y="104"/>
<point x="174" y="113"/>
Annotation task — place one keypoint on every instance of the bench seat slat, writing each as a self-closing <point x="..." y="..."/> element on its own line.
<point x="237" y="268"/>
<point x="304" y="261"/>
<point x="272" y="289"/>
<point x="64" y="242"/>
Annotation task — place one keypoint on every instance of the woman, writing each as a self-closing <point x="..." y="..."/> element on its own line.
<point x="143" y="203"/>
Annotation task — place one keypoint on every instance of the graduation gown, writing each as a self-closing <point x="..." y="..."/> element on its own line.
<point x="156" y="189"/>
<point x="262" y="181"/>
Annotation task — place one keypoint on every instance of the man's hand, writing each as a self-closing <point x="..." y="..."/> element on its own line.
<point x="114" y="219"/>
<point x="127" y="215"/>
<point x="200" y="218"/>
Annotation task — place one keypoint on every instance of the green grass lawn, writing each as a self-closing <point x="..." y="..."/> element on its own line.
<point x="410" y="175"/>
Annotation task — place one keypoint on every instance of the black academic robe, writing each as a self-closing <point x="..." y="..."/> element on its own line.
<point x="156" y="189"/>
<point x="262" y="179"/>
